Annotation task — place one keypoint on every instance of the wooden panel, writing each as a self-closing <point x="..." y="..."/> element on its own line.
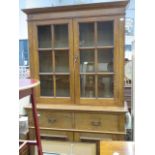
<point x="84" y="131"/>
<point x="57" y="135"/>
<point x="54" y="135"/>
<point x="117" y="70"/>
<point x="120" y="57"/>
<point x="35" y="66"/>
<point x="86" y="108"/>
<point x="121" y="122"/>
<point x="80" y="13"/>
<point x="53" y="119"/>
<point x="97" y="122"/>
<point x="116" y="4"/>
<point x="79" y="136"/>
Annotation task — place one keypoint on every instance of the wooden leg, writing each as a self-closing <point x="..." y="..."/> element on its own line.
<point x="36" y="124"/>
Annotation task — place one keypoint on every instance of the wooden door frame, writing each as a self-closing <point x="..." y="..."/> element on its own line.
<point x="34" y="59"/>
<point x="118" y="62"/>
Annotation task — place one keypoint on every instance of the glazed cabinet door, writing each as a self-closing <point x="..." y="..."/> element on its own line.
<point x="52" y="55"/>
<point x="96" y="43"/>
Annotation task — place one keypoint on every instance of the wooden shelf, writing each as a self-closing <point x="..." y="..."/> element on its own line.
<point x="61" y="49"/>
<point x="79" y="108"/>
<point x="86" y="48"/>
<point x="77" y="130"/>
<point x="97" y="47"/>
<point x="87" y="73"/>
<point x="105" y="47"/>
<point x="53" y="73"/>
<point x="96" y="73"/>
<point x="47" y="73"/>
<point x="50" y="49"/>
<point x="105" y="73"/>
<point x="44" y="49"/>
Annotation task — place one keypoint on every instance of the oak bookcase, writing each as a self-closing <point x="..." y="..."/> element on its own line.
<point x="77" y="53"/>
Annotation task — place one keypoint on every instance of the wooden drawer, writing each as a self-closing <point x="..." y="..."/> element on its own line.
<point x="50" y="135"/>
<point x="57" y="135"/>
<point x="96" y="122"/>
<point x="80" y="136"/>
<point x="53" y="135"/>
<point x="53" y="119"/>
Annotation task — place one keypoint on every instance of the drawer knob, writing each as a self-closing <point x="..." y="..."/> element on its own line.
<point x="51" y="120"/>
<point x="96" y="123"/>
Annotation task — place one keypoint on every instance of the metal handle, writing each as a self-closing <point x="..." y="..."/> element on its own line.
<point x="96" y="123"/>
<point x="51" y="120"/>
<point x="76" y="58"/>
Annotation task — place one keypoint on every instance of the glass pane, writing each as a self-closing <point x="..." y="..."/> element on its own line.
<point x="46" y="85"/>
<point x="87" y="61"/>
<point x="86" y="34"/>
<point x="105" y="33"/>
<point x="44" y="36"/>
<point x="61" y="61"/>
<point x="105" y="86"/>
<point x="105" y="60"/>
<point x="45" y="61"/>
<point x="62" y="86"/>
<point x="87" y="83"/>
<point x="61" y="35"/>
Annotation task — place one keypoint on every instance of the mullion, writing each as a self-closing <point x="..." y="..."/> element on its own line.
<point x="53" y="58"/>
<point x="55" y="49"/>
<point x="54" y="80"/>
<point x="96" y="62"/>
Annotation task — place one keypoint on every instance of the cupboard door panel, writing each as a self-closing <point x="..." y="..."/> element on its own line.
<point x="96" y="69"/>
<point x="81" y="48"/>
<point x="54" y="55"/>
